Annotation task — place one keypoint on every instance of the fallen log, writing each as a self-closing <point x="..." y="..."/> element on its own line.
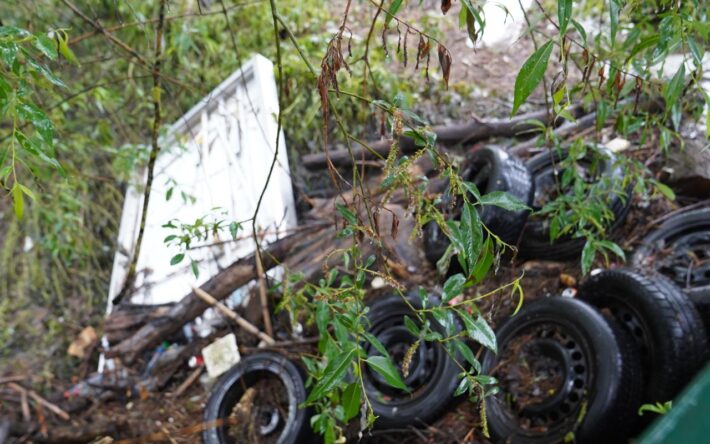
<point x="446" y="135"/>
<point x="220" y="286"/>
<point x="127" y="318"/>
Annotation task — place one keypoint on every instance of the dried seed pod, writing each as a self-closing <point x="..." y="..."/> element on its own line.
<point x="406" y="34"/>
<point x="445" y="63"/>
<point x="384" y="41"/>
<point x="639" y="84"/>
<point x="399" y="39"/>
<point x="445" y="6"/>
<point x="600" y="73"/>
<point x="420" y="50"/>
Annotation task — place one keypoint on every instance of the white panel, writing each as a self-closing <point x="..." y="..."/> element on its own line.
<point x="220" y="153"/>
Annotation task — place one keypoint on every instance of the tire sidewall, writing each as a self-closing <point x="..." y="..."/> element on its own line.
<point x="439" y="395"/>
<point x="289" y="375"/>
<point x="603" y="353"/>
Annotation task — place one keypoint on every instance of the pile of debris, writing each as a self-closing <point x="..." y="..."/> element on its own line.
<point x="150" y="345"/>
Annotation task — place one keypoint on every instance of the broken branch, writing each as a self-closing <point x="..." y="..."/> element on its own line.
<point x="246" y="325"/>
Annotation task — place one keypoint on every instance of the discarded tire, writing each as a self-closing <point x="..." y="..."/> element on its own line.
<point x="432" y="376"/>
<point x="545" y="170"/>
<point x="662" y="321"/>
<point x="490" y="169"/>
<point x="564" y="370"/>
<point x="680" y="250"/>
<point x="258" y="400"/>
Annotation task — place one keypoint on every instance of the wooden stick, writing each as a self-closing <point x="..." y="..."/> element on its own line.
<point x="188" y="382"/>
<point x="262" y="294"/>
<point x="15" y="378"/>
<point x="52" y="407"/>
<point x="25" y="405"/>
<point x="246" y="325"/>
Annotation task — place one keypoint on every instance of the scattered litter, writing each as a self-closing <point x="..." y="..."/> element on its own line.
<point x="86" y="339"/>
<point x="568" y="280"/>
<point x="221" y="355"/>
<point x="618" y="144"/>
<point x="377" y="282"/>
<point x="569" y="293"/>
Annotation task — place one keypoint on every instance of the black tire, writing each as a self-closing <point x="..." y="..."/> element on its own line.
<point x="680" y="241"/>
<point x="544" y="167"/>
<point x="598" y="367"/>
<point x="491" y="169"/>
<point x="433" y="375"/>
<point x="663" y="322"/>
<point x="228" y="391"/>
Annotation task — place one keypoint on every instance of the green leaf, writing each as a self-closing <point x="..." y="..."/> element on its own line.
<point x="588" y="254"/>
<point x="471" y="234"/>
<point x="39" y="119"/>
<point x="64" y="49"/>
<point x="234" y="229"/>
<point x="351" y="401"/>
<point x="195" y="270"/>
<point x="18" y="200"/>
<point x="613" y="20"/>
<point x="695" y="50"/>
<point x="580" y="30"/>
<point x="411" y="326"/>
<point x="673" y="89"/>
<point x="614" y="248"/>
<point x="11" y="31"/>
<point x="504" y="200"/>
<point x="467" y="354"/>
<point x="645" y="43"/>
<point x="658" y="408"/>
<point x="517" y="288"/>
<point x="384" y="367"/>
<point x="531" y="74"/>
<point x="27" y="191"/>
<point x="473" y="189"/>
<point x="376" y="343"/>
<point x="464" y="386"/>
<point x="332" y="375"/>
<point x="346" y="213"/>
<point x="479" y="330"/>
<point x="177" y="259"/>
<point x="393" y="9"/>
<point x="453" y="287"/>
<point x="664" y="189"/>
<point x="46" y="46"/>
<point x="564" y="13"/>
<point x="484" y="262"/>
<point x="46" y="73"/>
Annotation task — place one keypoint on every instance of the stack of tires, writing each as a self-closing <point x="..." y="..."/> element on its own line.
<point x="569" y="369"/>
<point x="579" y="369"/>
<point x="629" y="338"/>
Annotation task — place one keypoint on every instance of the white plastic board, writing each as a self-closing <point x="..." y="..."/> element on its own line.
<point x="219" y="153"/>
